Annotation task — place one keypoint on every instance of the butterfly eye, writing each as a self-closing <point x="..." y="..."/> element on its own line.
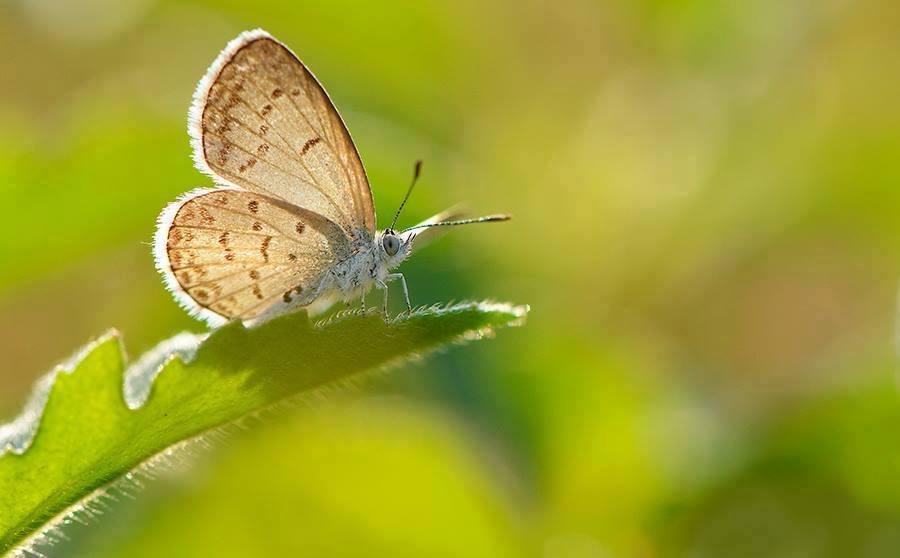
<point x="391" y="245"/>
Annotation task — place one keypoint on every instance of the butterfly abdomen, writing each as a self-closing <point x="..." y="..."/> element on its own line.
<point x="357" y="273"/>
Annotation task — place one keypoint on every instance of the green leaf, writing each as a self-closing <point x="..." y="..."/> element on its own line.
<point x="89" y="438"/>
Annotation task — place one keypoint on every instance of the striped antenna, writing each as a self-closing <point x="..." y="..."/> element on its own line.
<point x="416" y="171"/>
<point x="486" y="219"/>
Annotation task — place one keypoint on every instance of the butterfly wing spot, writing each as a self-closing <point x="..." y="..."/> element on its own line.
<point x="223" y="238"/>
<point x="295" y="91"/>
<point x="225" y="307"/>
<point x="309" y="144"/>
<point x="264" y="248"/>
<point x="253" y="206"/>
<point x="257" y="292"/>
<point x="222" y="154"/>
<point x="248" y="165"/>
<point x="233" y="101"/>
<point x="263" y="129"/>
<point x="201" y="294"/>
<point x="299" y="227"/>
<point x="225" y="125"/>
<point x="205" y="217"/>
<point x="292" y="257"/>
<point x="183" y="258"/>
<point x="262" y="149"/>
<point x="267" y="108"/>
<point x="287" y="295"/>
<point x="254" y="274"/>
<point x="229" y="256"/>
<point x="257" y="226"/>
<point x="277" y="93"/>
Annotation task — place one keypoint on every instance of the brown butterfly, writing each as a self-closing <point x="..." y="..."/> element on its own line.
<point x="293" y="221"/>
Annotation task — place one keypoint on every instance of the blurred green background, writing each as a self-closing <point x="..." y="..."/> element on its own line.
<point x="705" y="197"/>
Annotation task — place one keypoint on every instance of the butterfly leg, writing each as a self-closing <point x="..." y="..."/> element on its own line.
<point x="402" y="279"/>
<point x="383" y="286"/>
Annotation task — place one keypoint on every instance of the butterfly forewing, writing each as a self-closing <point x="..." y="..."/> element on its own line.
<point x="262" y="122"/>
<point x="228" y="253"/>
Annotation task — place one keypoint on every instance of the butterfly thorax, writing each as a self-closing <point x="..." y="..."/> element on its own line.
<point x="367" y="265"/>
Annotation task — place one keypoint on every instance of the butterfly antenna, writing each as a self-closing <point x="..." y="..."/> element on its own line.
<point x="486" y="219"/>
<point x="416" y="172"/>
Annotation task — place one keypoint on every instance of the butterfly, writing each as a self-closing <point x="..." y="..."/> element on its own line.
<point x="291" y="223"/>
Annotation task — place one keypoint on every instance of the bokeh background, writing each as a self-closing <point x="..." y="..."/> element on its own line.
<point x="706" y="198"/>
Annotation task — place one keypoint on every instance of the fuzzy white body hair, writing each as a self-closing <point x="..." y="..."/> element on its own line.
<point x="356" y="275"/>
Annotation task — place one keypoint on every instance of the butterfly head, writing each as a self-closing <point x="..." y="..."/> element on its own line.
<point x="393" y="247"/>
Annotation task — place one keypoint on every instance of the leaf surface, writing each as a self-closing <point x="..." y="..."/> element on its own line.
<point x="87" y="437"/>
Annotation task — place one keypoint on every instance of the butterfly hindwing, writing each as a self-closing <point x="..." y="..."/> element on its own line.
<point x="228" y="253"/>
<point x="261" y="121"/>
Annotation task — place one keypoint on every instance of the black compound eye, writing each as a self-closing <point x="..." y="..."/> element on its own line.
<point x="391" y="245"/>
